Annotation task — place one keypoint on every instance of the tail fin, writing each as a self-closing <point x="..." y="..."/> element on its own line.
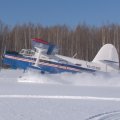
<point x="107" y="54"/>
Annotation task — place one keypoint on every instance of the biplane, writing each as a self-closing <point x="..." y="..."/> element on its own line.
<point x="44" y="57"/>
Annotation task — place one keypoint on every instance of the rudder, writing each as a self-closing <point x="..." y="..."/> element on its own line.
<point x="108" y="54"/>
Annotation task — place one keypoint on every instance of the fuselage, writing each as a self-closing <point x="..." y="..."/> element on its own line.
<point x="52" y="63"/>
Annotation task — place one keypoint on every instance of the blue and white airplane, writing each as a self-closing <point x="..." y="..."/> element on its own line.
<point x="44" y="57"/>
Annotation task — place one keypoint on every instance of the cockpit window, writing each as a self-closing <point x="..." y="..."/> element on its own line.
<point x="22" y="51"/>
<point x="27" y="52"/>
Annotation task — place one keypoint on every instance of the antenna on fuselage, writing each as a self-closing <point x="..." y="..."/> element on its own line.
<point x="74" y="55"/>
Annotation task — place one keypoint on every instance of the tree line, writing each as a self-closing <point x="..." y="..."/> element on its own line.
<point x="83" y="40"/>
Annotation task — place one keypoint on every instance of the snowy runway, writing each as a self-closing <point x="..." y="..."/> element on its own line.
<point x="51" y="100"/>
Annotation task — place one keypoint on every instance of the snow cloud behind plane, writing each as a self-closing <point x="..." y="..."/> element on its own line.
<point x="78" y="79"/>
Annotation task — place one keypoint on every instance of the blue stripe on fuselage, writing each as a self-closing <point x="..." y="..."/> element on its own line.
<point x="49" y="66"/>
<point x="14" y="63"/>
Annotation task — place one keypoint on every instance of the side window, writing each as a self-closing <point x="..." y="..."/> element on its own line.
<point x="30" y="52"/>
<point x="22" y="51"/>
<point x="27" y="52"/>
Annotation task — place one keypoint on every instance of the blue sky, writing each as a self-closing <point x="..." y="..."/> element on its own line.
<point x="54" y="12"/>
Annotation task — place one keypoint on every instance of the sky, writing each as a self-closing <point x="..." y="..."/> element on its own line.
<point x="60" y="12"/>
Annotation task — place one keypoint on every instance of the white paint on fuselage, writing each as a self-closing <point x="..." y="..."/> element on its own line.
<point x="98" y="66"/>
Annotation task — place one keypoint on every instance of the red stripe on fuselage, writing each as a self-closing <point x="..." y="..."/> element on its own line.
<point x="43" y="63"/>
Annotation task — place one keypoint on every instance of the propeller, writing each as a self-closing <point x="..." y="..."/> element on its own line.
<point x="3" y="51"/>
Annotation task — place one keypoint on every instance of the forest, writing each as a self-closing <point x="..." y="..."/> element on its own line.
<point x="83" y="40"/>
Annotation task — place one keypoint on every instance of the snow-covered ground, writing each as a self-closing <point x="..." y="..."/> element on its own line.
<point x="58" y="97"/>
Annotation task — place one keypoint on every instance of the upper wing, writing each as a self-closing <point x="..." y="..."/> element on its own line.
<point x="51" y="48"/>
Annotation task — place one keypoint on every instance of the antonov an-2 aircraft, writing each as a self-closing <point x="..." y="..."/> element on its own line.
<point x="43" y="57"/>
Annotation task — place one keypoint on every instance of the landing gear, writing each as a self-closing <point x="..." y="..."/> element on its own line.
<point x="42" y="72"/>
